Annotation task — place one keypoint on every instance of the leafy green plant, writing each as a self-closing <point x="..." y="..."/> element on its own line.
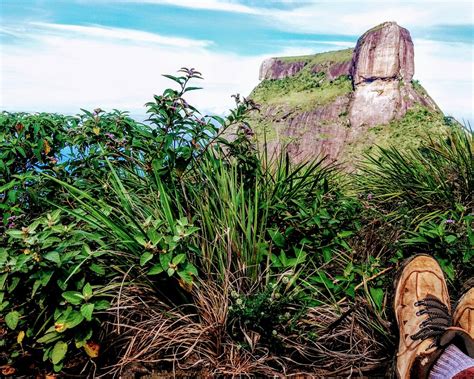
<point x="45" y="286"/>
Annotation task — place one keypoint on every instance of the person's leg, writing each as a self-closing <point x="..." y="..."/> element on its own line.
<point x="458" y="357"/>
<point x="451" y="363"/>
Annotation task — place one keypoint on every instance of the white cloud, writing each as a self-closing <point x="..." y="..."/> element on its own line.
<point x="44" y="29"/>
<point x="215" y="5"/>
<point x="93" y="66"/>
<point x="355" y="17"/>
<point x="60" y="73"/>
<point x="339" y="16"/>
<point x="445" y="70"/>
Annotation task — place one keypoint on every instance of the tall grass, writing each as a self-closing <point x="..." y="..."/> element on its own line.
<point x="235" y="217"/>
<point x="424" y="182"/>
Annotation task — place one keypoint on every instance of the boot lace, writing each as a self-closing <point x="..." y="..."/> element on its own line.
<point x="437" y="322"/>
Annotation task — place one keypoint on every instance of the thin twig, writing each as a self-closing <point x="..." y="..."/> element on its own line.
<point x="365" y="281"/>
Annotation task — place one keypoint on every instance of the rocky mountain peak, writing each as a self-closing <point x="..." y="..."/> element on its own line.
<point x="383" y="52"/>
<point x="323" y="103"/>
<point x="382" y="68"/>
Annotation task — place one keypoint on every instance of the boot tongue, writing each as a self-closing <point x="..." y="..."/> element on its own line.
<point x="427" y="287"/>
<point x="464" y="337"/>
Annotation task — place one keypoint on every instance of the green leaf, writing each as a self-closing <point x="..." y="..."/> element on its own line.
<point x="275" y="261"/>
<point x="53" y="256"/>
<point x="101" y="305"/>
<point x="86" y="311"/>
<point x="179" y="258"/>
<point x="165" y="260"/>
<point x="3" y="279"/>
<point x="171" y="271"/>
<point x="141" y="240"/>
<point x="59" y="352"/>
<point x="15" y="233"/>
<point x="13" y="283"/>
<point x="377" y="295"/>
<point x="9" y="185"/>
<point x="73" y="297"/>
<point x="49" y="337"/>
<point x="191" y="269"/>
<point x="450" y="239"/>
<point x="97" y="269"/>
<point x="156" y="269"/>
<point x="73" y="319"/>
<point x="348" y="269"/>
<point x="11" y="319"/>
<point x="191" y="89"/>
<point x="154" y="236"/>
<point x="82" y="336"/>
<point x="277" y="237"/>
<point x="345" y="234"/>
<point x="415" y="240"/>
<point x="327" y="254"/>
<point x="448" y="268"/>
<point x="177" y="79"/>
<point x="87" y="291"/>
<point x="146" y="256"/>
<point x="300" y="256"/>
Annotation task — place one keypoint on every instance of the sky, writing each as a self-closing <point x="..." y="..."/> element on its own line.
<point x="63" y="55"/>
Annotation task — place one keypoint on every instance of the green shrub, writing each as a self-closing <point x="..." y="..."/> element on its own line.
<point x="423" y="195"/>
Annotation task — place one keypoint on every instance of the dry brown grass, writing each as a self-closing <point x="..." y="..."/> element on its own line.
<point x="147" y="335"/>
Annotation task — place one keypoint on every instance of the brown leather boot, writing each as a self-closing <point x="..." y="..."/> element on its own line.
<point x="462" y="331"/>
<point x="422" y="310"/>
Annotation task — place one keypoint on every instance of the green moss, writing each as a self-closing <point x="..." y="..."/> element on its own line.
<point x="304" y="91"/>
<point x="329" y="56"/>
<point x="418" y="123"/>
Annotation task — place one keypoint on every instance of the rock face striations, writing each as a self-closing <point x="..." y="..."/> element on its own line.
<point x="325" y="103"/>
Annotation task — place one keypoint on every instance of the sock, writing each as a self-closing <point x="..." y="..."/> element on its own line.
<point x="451" y="362"/>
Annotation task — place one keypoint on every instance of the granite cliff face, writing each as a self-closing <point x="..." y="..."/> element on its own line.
<point x="382" y="69"/>
<point x="325" y="103"/>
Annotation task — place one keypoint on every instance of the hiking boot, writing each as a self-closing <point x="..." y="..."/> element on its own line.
<point x="462" y="331"/>
<point x="422" y="310"/>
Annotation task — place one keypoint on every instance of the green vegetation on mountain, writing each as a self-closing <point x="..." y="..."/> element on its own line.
<point x="417" y="125"/>
<point x="337" y="56"/>
<point x="304" y="91"/>
<point x="309" y="88"/>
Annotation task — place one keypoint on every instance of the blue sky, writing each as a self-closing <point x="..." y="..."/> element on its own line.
<point x="64" y="55"/>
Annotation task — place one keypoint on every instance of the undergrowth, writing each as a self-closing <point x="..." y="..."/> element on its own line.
<point x="129" y="247"/>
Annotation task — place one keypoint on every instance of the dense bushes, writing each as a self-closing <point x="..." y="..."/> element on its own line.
<point x="427" y="193"/>
<point x="180" y="243"/>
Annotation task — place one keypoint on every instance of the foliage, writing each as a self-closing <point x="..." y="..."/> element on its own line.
<point x="174" y="241"/>
<point x="306" y="90"/>
<point x="337" y="56"/>
<point x="434" y="179"/>
<point x="53" y="283"/>
<point x="424" y="196"/>
<point x="417" y="125"/>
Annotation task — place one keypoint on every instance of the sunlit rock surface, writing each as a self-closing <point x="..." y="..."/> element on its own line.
<point x="321" y="104"/>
